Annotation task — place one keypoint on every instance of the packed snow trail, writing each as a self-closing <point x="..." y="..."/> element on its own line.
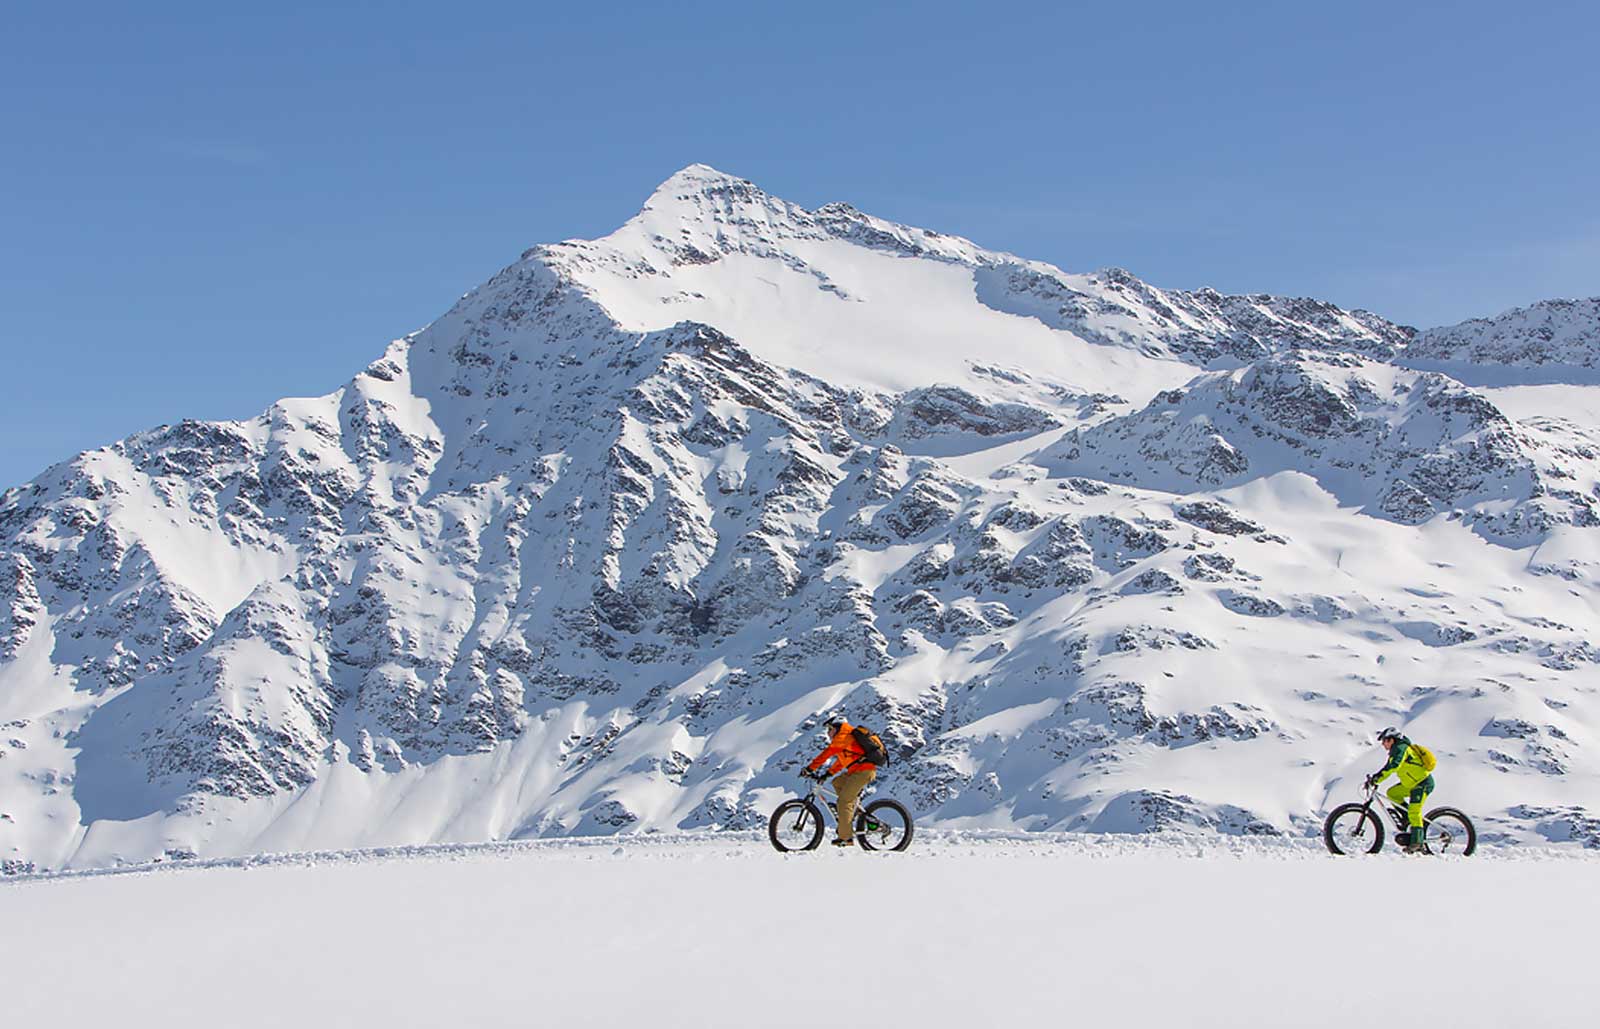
<point x="721" y="931"/>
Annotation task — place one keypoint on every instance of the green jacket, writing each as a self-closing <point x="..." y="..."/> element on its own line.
<point x="1404" y="762"/>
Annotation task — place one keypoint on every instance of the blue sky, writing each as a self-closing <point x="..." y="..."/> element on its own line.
<point x="205" y="208"/>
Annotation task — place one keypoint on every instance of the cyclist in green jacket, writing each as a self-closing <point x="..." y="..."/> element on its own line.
<point x="1416" y="782"/>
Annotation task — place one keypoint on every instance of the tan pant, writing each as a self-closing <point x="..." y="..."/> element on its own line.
<point x="850" y="785"/>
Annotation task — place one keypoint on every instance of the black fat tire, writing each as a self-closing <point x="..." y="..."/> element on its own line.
<point x="1344" y="810"/>
<point x="900" y="814"/>
<point x="1450" y="814"/>
<point x="791" y="809"/>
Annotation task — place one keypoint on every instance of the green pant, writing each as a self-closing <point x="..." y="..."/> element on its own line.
<point x="850" y="785"/>
<point x="1411" y="798"/>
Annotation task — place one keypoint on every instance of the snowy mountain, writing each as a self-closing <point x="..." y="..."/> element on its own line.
<point x="593" y="552"/>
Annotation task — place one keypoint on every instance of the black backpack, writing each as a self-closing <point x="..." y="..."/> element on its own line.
<point x="872" y="749"/>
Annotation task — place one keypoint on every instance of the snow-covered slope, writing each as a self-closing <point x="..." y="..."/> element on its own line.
<point x="720" y="932"/>
<point x="592" y="552"/>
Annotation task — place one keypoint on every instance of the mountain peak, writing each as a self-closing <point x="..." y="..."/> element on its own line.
<point x="699" y="174"/>
<point x="698" y="181"/>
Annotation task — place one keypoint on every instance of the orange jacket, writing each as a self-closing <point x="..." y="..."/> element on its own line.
<point x="846" y="750"/>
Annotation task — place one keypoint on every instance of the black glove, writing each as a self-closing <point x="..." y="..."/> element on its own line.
<point x="1372" y="781"/>
<point x="814" y="776"/>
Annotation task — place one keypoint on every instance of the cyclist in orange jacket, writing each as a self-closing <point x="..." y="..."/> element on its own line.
<point x="853" y="774"/>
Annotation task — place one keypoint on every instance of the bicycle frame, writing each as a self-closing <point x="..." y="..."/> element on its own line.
<point x="826" y="799"/>
<point x="1401" y="822"/>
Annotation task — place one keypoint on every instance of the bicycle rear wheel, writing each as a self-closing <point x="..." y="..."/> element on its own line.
<point x="796" y="825"/>
<point x="1353" y="829"/>
<point x="884" y="825"/>
<point x="1447" y="831"/>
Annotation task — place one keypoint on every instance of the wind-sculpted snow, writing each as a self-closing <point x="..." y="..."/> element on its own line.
<point x="594" y="552"/>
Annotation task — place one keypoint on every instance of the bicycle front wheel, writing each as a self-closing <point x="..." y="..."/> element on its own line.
<point x="884" y="825"/>
<point x="1447" y="831"/>
<point x="1353" y="829"/>
<point x="796" y="825"/>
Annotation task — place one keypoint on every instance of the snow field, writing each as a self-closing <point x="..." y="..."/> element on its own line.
<point x="964" y="929"/>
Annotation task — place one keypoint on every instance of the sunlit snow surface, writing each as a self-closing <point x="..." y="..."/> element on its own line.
<point x="961" y="930"/>
<point x="590" y="554"/>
